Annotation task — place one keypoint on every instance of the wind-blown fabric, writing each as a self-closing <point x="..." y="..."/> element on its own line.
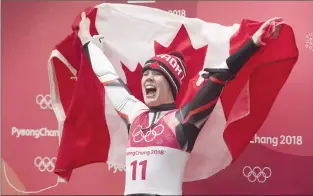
<point x="93" y="132"/>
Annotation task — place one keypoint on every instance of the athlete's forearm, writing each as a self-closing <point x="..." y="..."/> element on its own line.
<point x="237" y="60"/>
<point x="195" y="113"/>
<point x="201" y="106"/>
<point x="124" y="103"/>
<point x="100" y="63"/>
<point x="204" y="101"/>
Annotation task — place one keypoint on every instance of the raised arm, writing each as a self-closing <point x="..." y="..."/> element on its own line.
<point x="201" y="106"/>
<point x="193" y="115"/>
<point x="126" y="105"/>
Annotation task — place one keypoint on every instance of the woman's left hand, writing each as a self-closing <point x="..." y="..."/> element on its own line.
<point x="269" y="28"/>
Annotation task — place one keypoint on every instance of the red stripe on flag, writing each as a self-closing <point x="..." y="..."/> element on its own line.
<point x="266" y="72"/>
<point x="84" y="114"/>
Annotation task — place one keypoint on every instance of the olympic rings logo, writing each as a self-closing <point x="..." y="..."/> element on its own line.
<point x="45" y="164"/>
<point x="149" y="136"/>
<point x="44" y="101"/>
<point x="257" y="174"/>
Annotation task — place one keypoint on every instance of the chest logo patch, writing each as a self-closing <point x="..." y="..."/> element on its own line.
<point x="148" y="135"/>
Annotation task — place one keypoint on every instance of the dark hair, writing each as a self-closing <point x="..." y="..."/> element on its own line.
<point x="178" y="54"/>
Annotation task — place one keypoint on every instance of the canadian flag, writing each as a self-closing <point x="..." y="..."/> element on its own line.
<point x="93" y="132"/>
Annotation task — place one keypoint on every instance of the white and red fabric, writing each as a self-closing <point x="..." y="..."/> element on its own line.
<point x="93" y="132"/>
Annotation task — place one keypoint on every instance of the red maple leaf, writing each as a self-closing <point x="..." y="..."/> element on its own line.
<point x="194" y="60"/>
<point x="134" y="81"/>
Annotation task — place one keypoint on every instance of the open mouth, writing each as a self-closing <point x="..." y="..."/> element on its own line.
<point x="150" y="90"/>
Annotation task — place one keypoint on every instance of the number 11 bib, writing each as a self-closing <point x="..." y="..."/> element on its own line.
<point x="155" y="162"/>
